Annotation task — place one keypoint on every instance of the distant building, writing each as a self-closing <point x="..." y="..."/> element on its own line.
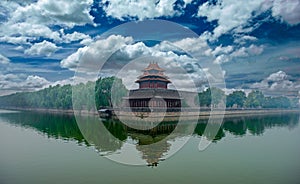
<point x="153" y="92"/>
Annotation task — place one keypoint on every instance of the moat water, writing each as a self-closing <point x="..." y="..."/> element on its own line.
<point x="51" y="148"/>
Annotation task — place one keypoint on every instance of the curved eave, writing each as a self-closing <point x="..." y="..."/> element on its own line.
<point x="158" y="69"/>
<point x="154" y="75"/>
<point x="152" y="79"/>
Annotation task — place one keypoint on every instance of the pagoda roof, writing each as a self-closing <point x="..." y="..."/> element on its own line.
<point x="159" y="75"/>
<point x="153" y="66"/>
<point x="152" y="93"/>
<point x="147" y="78"/>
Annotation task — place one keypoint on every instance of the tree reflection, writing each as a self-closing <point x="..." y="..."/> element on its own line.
<point x="108" y="136"/>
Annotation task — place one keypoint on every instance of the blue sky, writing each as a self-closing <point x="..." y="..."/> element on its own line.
<point x="256" y="43"/>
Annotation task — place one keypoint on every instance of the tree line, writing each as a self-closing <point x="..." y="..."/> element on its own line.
<point x="60" y="97"/>
<point x="99" y="94"/>
<point x="238" y="99"/>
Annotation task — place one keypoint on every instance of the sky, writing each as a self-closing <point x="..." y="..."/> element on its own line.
<point x="255" y="43"/>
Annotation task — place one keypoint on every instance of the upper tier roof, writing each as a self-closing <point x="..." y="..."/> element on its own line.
<point x="153" y="72"/>
<point x="153" y="66"/>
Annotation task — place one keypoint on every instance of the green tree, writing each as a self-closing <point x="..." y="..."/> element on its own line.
<point x="295" y="102"/>
<point x="237" y="97"/>
<point x="211" y="96"/>
<point x="60" y="97"/>
<point x="218" y="96"/>
<point x="204" y="98"/>
<point x="277" y="102"/>
<point x="103" y="91"/>
<point x="255" y="99"/>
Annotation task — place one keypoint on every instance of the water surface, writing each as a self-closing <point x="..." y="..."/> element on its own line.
<point x="49" y="148"/>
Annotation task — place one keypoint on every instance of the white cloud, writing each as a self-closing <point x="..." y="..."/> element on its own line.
<point x="287" y="10"/>
<point x="166" y="46"/>
<point x="219" y="54"/>
<point x="3" y="59"/>
<point x="243" y="39"/>
<point x="255" y="50"/>
<point x="278" y="76"/>
<point x="222" y="50"/>
<point x="135" y="50"/>
<point x="44" y="48"/>
<point x="72" y="61"/>
<point x="95" y="53"/>
<point x="252" y="50"/>
<point x="141" y="10"/>
<point x="19" y="48"/>
<point x="27" y="21"/>
<point x="35" y="82"/>
<point x="15" y="40"/>
<point x="221" y="59"/>
<point x="233" y="15"/>
<point x="30" y="32"/>
<point x="241" y="52"/>
<point x="164" y="50"/>
<point x="230" y="14"/>
<point x="193" y="45"/>
<point x="27" y="31"/>
<point x="127" y="50"/>
<point x="87" y="41"/>
<point x="227" y="53"/>
<point x="200" y="48"/>
<point x="11" y="83"/>
<point x="187" y="1"/>
<point x="60" y="12"/>
<point x="75" y="36"/>
<point x="278" y="83"/>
